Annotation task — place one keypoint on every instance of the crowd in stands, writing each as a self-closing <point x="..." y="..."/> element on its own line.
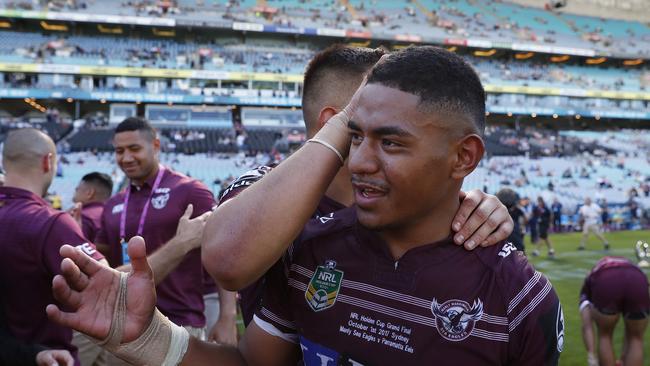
<point x="493" y="20"/>
<point x="613" y="168"/>
<point x="230" y="55"/>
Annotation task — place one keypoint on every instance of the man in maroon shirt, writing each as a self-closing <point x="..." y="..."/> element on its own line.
<point x="381" y="282"/>
<point x="90" y="195"/>
<point x="151" y="206"/>
<point x="32" y="234"/>
<point x="615" y="286"/>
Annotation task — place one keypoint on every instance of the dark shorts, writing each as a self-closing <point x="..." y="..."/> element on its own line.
<point x="543" y="231"/>
<point x="620" y="290"/>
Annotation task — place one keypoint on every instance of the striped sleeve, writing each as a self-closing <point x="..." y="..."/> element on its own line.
<point x="535" y="318"/>
<point x="274" y="315"/>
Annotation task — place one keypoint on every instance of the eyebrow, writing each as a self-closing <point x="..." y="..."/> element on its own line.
<point x="383" y="131"/>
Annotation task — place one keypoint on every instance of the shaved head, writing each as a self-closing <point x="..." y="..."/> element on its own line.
<point x="332" y="77"/>
<point x="24" y="149"/>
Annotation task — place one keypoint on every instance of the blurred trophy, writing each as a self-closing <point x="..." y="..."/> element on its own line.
<point x="643" y="253"/>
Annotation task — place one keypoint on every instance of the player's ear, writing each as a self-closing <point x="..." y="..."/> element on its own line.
<point x="48" y="162"/>
<point x="469" y="151"/>
<point x="325" y="114"/>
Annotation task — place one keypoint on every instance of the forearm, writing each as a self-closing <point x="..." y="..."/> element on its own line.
<point x="164" y="260"/>
<point x="203" y="353"/>
<point x="227" y="304"/>
<point x="251" y="232"/>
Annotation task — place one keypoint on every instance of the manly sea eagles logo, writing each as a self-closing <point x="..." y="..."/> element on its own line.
<point x="455" y="319"/>
<point x="160" y="202"/>
<point x="324" y="286"/>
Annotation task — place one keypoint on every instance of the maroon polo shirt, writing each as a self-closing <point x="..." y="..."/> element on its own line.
<point x="31" y="234"/>
<point x="180" y="295"/>
<point x="91" y="219"/>
<point x="251" y="296"/>
<point x="347" y="301"/>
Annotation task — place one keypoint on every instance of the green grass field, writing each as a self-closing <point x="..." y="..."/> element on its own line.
<point x="567" y="272"/>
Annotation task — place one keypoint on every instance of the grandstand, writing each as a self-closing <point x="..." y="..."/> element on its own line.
<point x="75" y="68"/>
<point x="567" y="109"/>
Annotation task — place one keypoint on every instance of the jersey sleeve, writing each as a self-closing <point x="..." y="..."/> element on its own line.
<point x="64" y="230"/>
<point x="273" y="314"/>
<point x="244" y="181"/>
<point x="535" y="317"/>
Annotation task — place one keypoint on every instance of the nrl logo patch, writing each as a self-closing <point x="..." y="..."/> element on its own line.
<point x="160" y="202"/>
<point x="455" y="319"/>
<point x="324" y="286"/>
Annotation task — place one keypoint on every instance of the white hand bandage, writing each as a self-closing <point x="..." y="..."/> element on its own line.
<point x="162" y="343"/>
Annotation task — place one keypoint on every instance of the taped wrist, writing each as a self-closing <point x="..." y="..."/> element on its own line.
<point x="162" y="343"/>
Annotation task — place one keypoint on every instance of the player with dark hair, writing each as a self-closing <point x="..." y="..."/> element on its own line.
<point x="330" y="79"/>
<point x="31" y="235"/>
<point x="89" y="197"/>
<point x="157" y="201"/>
<point x="614" y="286"/>
<point x="381" y="282"/>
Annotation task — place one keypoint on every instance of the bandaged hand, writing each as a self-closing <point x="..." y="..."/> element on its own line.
<point x="115" y="308"/>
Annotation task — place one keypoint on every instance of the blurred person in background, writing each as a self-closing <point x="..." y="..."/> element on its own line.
<point x="590" y="219"/>
<point x="510" y="199"/>
<point x="615" y="287"/>
<point x="556" y="209"/>
<point x="90" y="195"/>
<point x="543" y="215"/>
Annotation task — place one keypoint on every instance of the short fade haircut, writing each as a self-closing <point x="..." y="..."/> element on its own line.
<point x="136" y="124"/>
<point x="100" y="180"/>
<point x="444" y="81"/>
<point x="336" y="63"/>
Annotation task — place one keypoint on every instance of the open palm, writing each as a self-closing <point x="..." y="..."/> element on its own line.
<point x="89" y="290"/>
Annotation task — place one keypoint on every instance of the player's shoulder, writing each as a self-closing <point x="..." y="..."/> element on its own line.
<point x="115" y="204"/>
<point x="510" y="266"/>
<point x="244" y="181"/>
<point x="339" y="223"/>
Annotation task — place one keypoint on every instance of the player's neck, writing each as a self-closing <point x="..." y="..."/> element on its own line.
<point x="340" y="190"/>
<point x="26" y="183"/>
<point x="428" y="229"/>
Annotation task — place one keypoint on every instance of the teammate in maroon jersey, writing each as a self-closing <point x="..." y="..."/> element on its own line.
<point x="389" y="281"/>
<point x="614" y="286"/>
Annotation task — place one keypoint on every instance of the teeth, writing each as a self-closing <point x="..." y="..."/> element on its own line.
<point x="364" y="193"/>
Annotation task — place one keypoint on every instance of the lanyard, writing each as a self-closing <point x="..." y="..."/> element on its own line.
<point x="143" y="215"/>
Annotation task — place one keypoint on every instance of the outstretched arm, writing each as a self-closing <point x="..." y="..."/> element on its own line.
<point x="188" y="237"/>
<point x="102" y="308"/>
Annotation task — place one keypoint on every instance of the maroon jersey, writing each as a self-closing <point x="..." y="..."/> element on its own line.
<point x="91" y="219"/>
<point x="347" y="301"/>
<point x="31" y="235"/>
<point x="251" y="296"/>
<point x="180" y="294"/>
<point x="616" y="285"/>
